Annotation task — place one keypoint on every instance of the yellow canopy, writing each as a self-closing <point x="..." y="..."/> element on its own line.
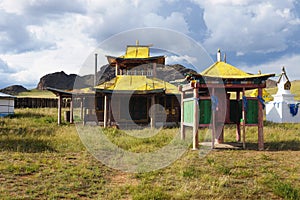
<point x="138" y="84"/>
<point x="225" y="70"/>
<point x="265" y="95"/>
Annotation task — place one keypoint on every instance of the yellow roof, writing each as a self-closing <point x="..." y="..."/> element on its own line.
<point x="137" y="52"/>
<point x="225" y="70"/>
<point x="138" y="84"/>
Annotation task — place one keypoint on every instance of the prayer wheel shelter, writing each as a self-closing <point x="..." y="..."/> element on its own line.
<point x="206" y="102"/>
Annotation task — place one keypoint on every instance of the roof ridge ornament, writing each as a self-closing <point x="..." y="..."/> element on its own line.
<point x="219" y="55"/>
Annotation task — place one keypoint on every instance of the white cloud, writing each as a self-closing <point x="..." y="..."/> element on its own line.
<point x="248" y="26"/>
<point x="290" y="62"/>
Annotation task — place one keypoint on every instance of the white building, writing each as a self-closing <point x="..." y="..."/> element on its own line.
<point x="283" y="108"/>
<point x="7" y="104"/>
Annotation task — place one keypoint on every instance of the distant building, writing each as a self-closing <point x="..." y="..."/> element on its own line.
<point x="6" y="104"/>
<point x="283" y="108"/>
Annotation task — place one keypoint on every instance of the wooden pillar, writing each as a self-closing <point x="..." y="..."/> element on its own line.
<point x="153" y="111"/>
<point x="105" y="111"/>
<point x="213" y="131"/>
<point x="59" y="102"/>
<point x="238" y="123"/>
<point x="182" y="128"/>
<point x="109" y="110"/>
<point x="196" y="119"/>
<point x="154" y="70"/>
<point x="244" y="121"/>
<point x="81" y="108"/>
<point x="260" y="123"/>
<point x="117" y="69"/>
<point x="71" y="111"/>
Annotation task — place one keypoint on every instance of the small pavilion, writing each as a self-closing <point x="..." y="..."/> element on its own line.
<point x="206" y="102"/>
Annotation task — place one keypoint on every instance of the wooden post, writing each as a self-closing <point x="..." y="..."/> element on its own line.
<point x="238" y="123"/>
<point x="71" y="111"/>
<point x="81" y="108"/>
<point x="213" y="131"/>
<point x="117" y="69"/>
<point x="154" y="70"/>
<point x="59" y="102"/>
<point x="152" y="114"/>
<point x="244" y="121"/>
<point x="109" y="110"/>
<point x="196" y="119"/>
<point x="105" y="111"/>
<point x="182" y="128"/>
<point x="260" y="123"/>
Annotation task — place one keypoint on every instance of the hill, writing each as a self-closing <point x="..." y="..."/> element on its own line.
<point x="61" y="80"/>
<point x="14" y="89"/>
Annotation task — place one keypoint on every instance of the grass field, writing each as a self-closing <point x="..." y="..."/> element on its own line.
<point x="40" y="160"/>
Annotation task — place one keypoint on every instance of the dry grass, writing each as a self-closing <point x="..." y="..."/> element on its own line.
<point x="40" y="160"/>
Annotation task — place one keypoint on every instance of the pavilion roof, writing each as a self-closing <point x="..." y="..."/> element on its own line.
<point x="224" y="70"/>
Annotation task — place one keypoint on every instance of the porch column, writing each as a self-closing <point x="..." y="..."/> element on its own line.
<point x="196" y="119"/>
<point x="260" y="123"/>
<point x="244" y="121"/>
<point x="153" y="111"/>
<point x="213" y="131"/>
<point x="105" y="111"/>
<point x="81" y="108"/>
<point x="109" y="110"/>
<point x="117" y="69"/>
<point x="182" y="128"/>
<point x="59" y="102"/>
<point x="71" y="111"/>
<point x="238" y="123"/>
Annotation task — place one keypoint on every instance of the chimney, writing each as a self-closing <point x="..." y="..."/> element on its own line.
<point x="225" y="57"/>
<point x="219" y="56"/>
<point x="95" y="76"/>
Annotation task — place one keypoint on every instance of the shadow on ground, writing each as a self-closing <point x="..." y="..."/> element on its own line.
<point x="26" y="145"/>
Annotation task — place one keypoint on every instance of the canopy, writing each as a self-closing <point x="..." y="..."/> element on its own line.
<point x="137" y="84"/>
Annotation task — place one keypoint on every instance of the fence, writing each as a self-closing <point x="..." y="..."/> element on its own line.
<point x="29" y="102"/>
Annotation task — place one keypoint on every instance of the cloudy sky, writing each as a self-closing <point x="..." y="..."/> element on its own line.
<point x="44" y="36"/>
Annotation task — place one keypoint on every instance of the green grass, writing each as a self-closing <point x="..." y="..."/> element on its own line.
<point x="37" y="94"/>
<point x="40" y="160"/>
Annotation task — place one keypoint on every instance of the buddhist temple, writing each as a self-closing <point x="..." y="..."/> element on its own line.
<point x="135" y="96"/>
<point x="206" y="102"/>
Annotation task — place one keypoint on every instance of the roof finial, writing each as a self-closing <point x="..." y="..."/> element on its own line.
<point x="137" y="42"/>
<point x="219" y="55"/>
<point x="283" y="70"/>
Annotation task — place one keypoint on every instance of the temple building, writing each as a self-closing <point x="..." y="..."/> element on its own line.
<point x="135" y="96"/>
